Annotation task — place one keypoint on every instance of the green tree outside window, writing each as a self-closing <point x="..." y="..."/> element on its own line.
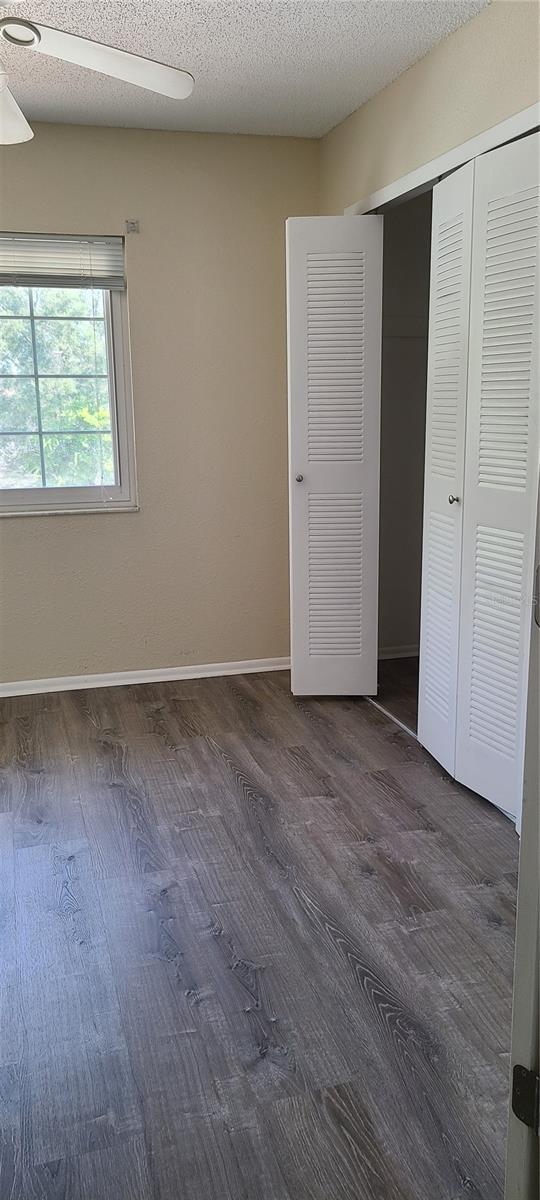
<point x="55" y="396"/>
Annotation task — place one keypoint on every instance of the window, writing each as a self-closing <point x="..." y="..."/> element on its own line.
<point x="66" y="428"/>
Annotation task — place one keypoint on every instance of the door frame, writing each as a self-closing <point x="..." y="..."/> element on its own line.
<point x="424" y="177"/>
<point x="522" y="1149"/>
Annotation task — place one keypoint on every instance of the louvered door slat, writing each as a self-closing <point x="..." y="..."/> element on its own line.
<point x="334" y="281"/>
<point x="501" y="475"/>
<point x="445" y="433"/>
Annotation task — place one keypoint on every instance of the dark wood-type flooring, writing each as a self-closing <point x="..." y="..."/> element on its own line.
<point x="398" y="689"/>
<point x="251" y="947"/>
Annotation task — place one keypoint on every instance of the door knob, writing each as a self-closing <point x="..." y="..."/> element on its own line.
<point x="299" y="478"/>
<point x="453" y="499"/>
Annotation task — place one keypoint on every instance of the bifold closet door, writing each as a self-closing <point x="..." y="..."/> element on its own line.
<point x="501" y="475"/>
<point x="334" y="295"/>
<point x="448" y="344"/>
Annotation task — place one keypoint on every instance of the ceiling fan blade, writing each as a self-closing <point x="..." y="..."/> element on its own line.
<point x="120" y="64"/>
<point x="14" y="127"/>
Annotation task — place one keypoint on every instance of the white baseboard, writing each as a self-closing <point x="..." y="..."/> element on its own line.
<point x="399" y="651"/>
<point x="70" y="683"/>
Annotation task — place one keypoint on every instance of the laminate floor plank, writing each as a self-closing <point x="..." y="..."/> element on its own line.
<point x="123" y="833"/>
<point x="259" y="1164"/>
<point x="7" y="892"/>
<point x="199" y="1160"/>
<point x="285" y="770"/>
<point x="33" y="741"/>
<point x="10" y="1133"/>
<point x="59" y="921"/>
<point x="122" y="1171"/>
<point x="9" y="992"/>
<point x="252" y="944"/>
<point x="77" y="1098"/>
<point x="76" y="1008"/>
<point x="46" y="807"/>
<point x="163" y="954"/>
<point x="328" y="1145"/>
<point x="76" y="1082"/>
<point x="384" y="887"/>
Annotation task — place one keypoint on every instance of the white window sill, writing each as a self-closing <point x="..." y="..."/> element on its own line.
<point x="69" y="511"/>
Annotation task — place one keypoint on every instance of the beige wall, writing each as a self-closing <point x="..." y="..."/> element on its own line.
<point x="486" y="71"/>
<point x="200" y="573"/>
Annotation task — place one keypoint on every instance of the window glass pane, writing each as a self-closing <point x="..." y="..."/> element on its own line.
<point x="15" y="347"/>
<point x="67" y="302"/>
<point x="18" y="408"/>
<point x="20" y="465"/>
<point x="56" y="394"/>
<point x="74" y="404"/>
<point x="78" y="460"/>
<point x="71" y="347"/>
<point x="14" y="301"/>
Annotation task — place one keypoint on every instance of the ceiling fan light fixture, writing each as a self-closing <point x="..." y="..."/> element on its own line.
<point x="20" y="33"/>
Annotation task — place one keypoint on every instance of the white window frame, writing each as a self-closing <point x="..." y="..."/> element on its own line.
<point x="120" y="497"/>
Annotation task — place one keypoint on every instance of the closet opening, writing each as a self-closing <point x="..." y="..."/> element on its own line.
<point x="406" y="274"/>
<point x="454" y="309"/>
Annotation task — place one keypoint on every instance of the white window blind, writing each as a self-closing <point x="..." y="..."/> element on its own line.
<point x="37" y="260"/>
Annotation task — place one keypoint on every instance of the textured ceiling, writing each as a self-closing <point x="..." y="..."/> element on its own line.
<point x="260" y="66"/>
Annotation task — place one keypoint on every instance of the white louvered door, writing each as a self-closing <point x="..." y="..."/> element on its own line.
<point x="334" y="293"/>
<point x="444" y="465"/>
<point x="501" y="473"/>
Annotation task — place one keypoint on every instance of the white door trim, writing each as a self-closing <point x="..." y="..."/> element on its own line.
<point x="522" y="1150"/>
<point x="422" y="177"/>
